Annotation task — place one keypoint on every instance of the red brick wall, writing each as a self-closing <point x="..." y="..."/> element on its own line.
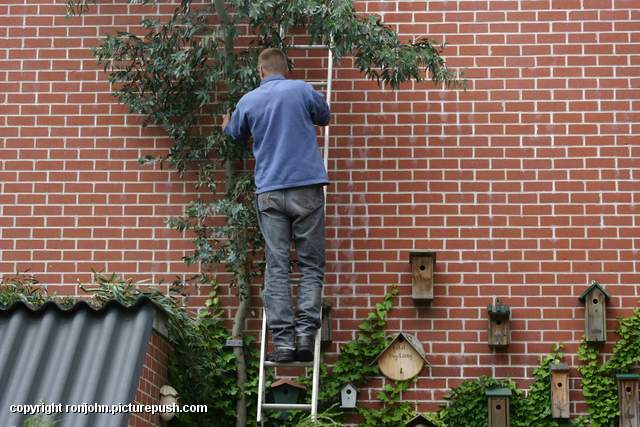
<point x="73" y="195"/>
<point x="526" y="185"/>
<point x="154" y="375"/>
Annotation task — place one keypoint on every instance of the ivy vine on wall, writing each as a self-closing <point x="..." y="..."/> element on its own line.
<point x="202" y="368"/>
<point x="599" y="385"/>
<point x="468" y="403"/>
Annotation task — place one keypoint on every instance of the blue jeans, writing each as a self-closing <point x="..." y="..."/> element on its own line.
<point x="284" y="215"/>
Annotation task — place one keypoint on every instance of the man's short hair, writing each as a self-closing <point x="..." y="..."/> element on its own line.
<point x="273" y="61"/>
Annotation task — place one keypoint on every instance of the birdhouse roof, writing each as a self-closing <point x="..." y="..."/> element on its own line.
<point x="349" y="385"/>
<point x="497" y="308"/>
<point x="413" y="342"/>
<point x="419" y="420"/>
<point x="285" y="382"/>
<point x="558" y="367"/>
<point x="628" y="376"/>
<point x="594" y="285"/>
<point x="422" y="254"/>
<point x="498" y="392"/>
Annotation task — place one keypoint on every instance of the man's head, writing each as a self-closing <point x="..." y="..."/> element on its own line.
<point x="272" y="61"/>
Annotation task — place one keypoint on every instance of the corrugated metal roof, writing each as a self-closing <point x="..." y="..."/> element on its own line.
<point x="72" y="355"/>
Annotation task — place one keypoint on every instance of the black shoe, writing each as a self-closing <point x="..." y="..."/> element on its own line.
<point x="304" y="348"/>
<point x="281" y="355"/>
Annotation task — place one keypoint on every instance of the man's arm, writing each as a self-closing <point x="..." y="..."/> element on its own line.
<point x="236" y="127"/>
<point x="319" y="109"/>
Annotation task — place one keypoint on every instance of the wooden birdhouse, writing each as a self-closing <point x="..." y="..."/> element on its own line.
<point x="422" y="266"/>
<point x="595" y="299"/>
<point x="499" y="328"/>
<point x="325" y="332"/>
<point x="419" y="421"/>
<point x="403" y="358"/>
<point x="629" y="399"/>
<point x="560" y="391"/>
<point x="498" y="400"/>
<point x="349" y="396"/>
<point x="286" y="391"/>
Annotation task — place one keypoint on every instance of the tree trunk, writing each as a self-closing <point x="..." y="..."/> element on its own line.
<point x="241" y="366"/>
<point x="238" y="328"/>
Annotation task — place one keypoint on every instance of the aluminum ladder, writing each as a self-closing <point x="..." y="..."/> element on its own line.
<point x="315" y="364"/>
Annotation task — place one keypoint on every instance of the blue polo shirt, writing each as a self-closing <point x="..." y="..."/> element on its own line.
<point x="280" y="114"/>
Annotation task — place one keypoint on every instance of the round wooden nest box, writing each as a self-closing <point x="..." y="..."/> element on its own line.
<point x="403" y="359"/>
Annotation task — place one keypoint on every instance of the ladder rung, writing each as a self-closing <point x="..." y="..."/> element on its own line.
<point x="318" y="83"/>
<point x="288" y="364"/>
<point x="287" y="406"/>
<point x="309" y="46"/>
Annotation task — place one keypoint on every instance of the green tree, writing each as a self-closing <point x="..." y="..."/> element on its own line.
<point x="188" y="67"/>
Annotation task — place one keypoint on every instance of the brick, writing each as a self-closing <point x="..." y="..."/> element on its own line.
<point x="527" y="178"/>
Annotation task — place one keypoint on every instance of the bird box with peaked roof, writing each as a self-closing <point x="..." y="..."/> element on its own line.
<point x="286" y="391"/>
<point x="348" y="396"/>
<point x="419" y="421"/>
<point x="595" y="299"/>
<point x="403" y="358"/>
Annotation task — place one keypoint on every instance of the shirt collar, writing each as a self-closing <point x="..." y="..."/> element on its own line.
<point x="271" y="77"/>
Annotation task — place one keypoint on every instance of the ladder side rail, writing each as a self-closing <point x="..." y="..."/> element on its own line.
<point x="316" y="350"/>
<point x="316" y="373"/>
<point x="263" y="350"/>
<point x="328" y="97"/>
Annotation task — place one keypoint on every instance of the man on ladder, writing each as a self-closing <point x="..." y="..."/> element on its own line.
<point x="290" y="175"/>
